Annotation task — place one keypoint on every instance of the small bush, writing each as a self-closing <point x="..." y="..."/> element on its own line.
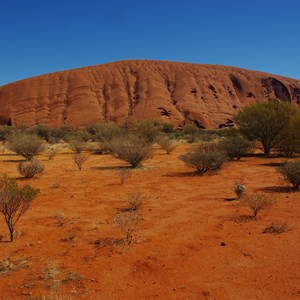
<point x="14" y="201"/>
<point x="80" y="159"/>
<point x="131" y="149"/>
<point x="77" y="145"/>
<point x="166" y="144"/>
<point x="147" y="130"/>
<point x="30" y="168"/>
<point x="135" y="201"/>
<point x="239" y="189"/>
<point x="235" y="146"/>
<point x="41" y="131"/>
<point x="257" y="202"/>
<point x="191" y="132"/>
<point x="203" y="161"/>
<point x="276" y="228"/>
<point x="127" y="222"/>
<point x="26" y="145"/>
<point x="290" y="171"/>
<point x="51" y="153"/>
<point x="123" y="174"/>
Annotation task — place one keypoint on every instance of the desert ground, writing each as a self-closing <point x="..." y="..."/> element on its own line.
<point x="189" y="243"/>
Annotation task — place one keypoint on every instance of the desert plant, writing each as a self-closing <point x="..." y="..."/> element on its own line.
<point x="257" y="202"/>
<point x="264" y="121"/>
<point x="290" y="171"/>
<point x="191" y="132"/>
<point x="235" y="146"/>
<point x="131" y="149"/>
<point x="289" y="138"/>
<point x="41" y="131"/>
<point x="127" y="222"/>
<point x="14" y="201"/>
<point x="30" y="168"/>
<point x="26" y="145"/>
<point x="147" y="130"/>
<point x="203" y="161"/>
<point x="166" y="144"/>
<point x="276" y="228"/>
<point x="134" y="201"/>
<point x="52" y="152"/>
<point x="123" y="174"/>
<point x="239" y="189"/>
<point x="80" y="159"/>
<point x="77" y="145"/>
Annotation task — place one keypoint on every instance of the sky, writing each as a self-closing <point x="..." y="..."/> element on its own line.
<point x="45" y="36"/>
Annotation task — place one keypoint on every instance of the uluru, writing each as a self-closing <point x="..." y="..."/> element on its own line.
<point x="121" y="92"/>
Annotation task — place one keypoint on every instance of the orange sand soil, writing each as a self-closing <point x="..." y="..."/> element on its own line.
<point x="189" y="244"/>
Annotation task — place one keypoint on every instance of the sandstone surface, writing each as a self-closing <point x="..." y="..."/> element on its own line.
<point x="178" y="93"/>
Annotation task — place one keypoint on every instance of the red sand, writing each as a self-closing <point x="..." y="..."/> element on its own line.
<point x="177" y="250"/>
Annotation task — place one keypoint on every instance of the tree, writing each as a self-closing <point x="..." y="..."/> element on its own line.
<point x="264" y="122"/>
<point x="14" y="201"/>
<point x="290" y="137"/>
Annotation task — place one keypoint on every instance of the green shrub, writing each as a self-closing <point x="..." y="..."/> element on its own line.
<point x="41" y="131"/>
<point x="14" y="201"/>
<point x="235" y="146"/>
<point x="264" y="122"/>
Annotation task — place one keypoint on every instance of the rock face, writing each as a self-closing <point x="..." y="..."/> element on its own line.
<point x="178" y="93"/>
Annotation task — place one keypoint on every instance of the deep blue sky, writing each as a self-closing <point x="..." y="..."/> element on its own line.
<point x="43" y="36"/>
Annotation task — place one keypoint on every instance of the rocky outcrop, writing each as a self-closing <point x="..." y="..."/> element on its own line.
<point x="179" y="93"/>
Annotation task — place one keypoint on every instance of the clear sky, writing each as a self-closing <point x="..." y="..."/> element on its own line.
<point x="44" y="36"/>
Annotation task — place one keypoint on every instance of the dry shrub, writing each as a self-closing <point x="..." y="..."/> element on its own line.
<point x="77" y="145"/>
<point x="131" y="149"/>
<point x="257" y="202"/>
<point x="51" y="153"/>
<point x="276" y="228"/>
<point x="26" y="145"/>
<point x="123" y="174"/>
<point x="203" y="161"/>
<point x="30" y="168"/>
<point x="135" y="200"/>
<point x="239" y="189"/>
<point x="7" y="266"/>
<point x="235" y="146"/>
<point x="166" y="144"/>
<point x="290" y="171"/>
<point x="80" y="159"/>
<point x="127" y="222"/>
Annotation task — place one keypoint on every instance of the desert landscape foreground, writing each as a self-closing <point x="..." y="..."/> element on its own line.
<point x="190" y="243"/>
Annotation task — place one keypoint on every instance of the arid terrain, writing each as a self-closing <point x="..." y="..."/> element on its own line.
<point x="189" y="244"/>
<point x="177" y="93"/>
